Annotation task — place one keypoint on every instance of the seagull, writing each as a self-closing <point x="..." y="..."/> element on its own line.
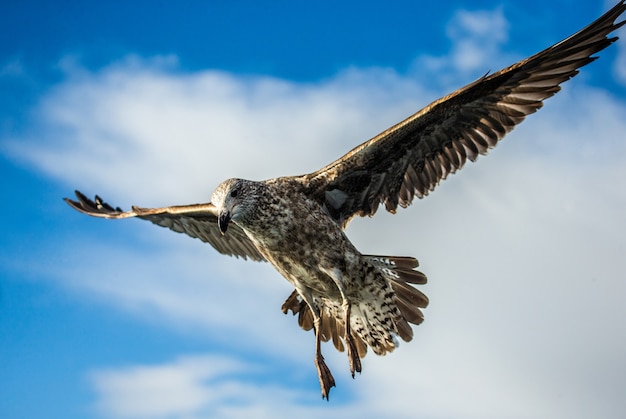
<point x="297" y="223"/>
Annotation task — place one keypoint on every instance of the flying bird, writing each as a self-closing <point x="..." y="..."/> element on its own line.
<point x="297" y="223"/>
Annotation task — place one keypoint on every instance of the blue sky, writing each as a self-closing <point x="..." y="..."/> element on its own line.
<point x="155" y="103"/>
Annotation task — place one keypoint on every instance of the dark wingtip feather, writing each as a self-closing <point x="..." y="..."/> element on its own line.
<point x="96" y="207"/>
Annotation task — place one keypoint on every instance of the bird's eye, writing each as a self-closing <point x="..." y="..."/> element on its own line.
<point x="234" y="193"/>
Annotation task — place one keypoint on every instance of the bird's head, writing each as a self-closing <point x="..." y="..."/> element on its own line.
<point x="233" y="200"/>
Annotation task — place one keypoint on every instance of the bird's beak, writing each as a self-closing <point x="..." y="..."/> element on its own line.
<point x="223" y="220"/>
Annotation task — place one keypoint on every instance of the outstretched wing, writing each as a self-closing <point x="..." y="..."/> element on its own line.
<point x="412" y="157"/>
<point x="198" y="221"/>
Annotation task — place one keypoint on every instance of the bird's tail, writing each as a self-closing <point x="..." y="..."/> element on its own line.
<point x="385" y="310"/>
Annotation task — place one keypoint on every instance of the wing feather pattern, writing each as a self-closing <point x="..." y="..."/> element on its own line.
<point x="198" y="221"/>
<point x="412" y="157"/>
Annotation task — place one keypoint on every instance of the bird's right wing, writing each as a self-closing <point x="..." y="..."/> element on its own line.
<point x="411" y="158"/>
<point x="198" y="221"/>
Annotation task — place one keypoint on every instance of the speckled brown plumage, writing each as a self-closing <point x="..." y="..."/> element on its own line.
<point x="297" y="223"/>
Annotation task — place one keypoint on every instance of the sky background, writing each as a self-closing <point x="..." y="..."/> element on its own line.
<point x="155" y="103"/>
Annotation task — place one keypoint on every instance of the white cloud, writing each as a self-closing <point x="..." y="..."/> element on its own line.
<point x="144" y="127"/>
<point x="476" y="38"/>
<point x="197" y="387"/>
<point x="172" y="281"/>
<point x="161" y="391"/>
<point x="527" y="253"/>
<point x="524" y="250"/>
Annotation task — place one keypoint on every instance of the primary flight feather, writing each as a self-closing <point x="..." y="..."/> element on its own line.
<point x="297" y="223"/>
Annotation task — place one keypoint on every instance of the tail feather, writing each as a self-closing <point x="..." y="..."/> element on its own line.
<point x="411" y="314"/>
<point x="404" y="329"/>
<point x="401" y="273"/>
<point x="400" y="268"/>
<point x="411" y="276"/>
<point x="409" y="294"/>
<point x="333" y="329"/>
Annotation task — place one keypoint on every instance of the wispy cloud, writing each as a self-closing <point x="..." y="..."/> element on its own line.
<point x="476" y="40"/>
<point x="524" y="250"/>
<point x="161" y="391"/>
<point x="141" y="125"/>
<point x="180" y="283"/>
<point x="197" y="387"/>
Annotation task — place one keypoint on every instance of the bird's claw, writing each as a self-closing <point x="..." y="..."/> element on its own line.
<point x="326" y="378"/>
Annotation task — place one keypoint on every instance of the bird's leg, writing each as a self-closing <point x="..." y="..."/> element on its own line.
<point x="326" y="378"/>
<point x="353" y="355"/>
<point x="323" y="372"/>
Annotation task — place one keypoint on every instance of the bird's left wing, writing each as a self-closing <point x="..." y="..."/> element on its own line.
<point x="198" y="221"/>
<point x="412" y="157"/>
